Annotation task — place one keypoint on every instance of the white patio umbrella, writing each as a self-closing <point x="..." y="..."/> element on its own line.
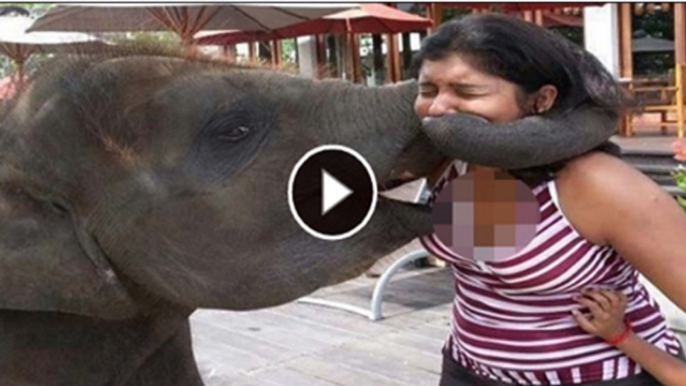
<point x="18" y="44"/>
<point x="184" y="19"/>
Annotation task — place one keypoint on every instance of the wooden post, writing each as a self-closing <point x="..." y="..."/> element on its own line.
<point x="625" y="57"/>
<point x="350" y="57"/>
<point x="625" y="51"/>
<point x="680" y="33"/>
<point x="276" y="53"/>
<point x="392" y="62"/>
<point x="529" y="16"/>
<point x="680" y="98"/>
<point x="355" y="56"/>
<point x="680" y="61"/>
<point x="251" y="52"/>
<point x="321" y="56"/>
<point x="538" y="17"/>
<point x="435" y="12"/>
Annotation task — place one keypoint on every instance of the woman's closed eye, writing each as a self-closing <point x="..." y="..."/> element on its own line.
<point x="428" y="91"/>
<point x="469" y="92"/>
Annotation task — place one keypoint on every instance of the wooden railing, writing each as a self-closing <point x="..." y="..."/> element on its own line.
<point x="664" y="95"/>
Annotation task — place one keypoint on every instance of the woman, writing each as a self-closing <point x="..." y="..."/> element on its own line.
<point x="602" y="222"/>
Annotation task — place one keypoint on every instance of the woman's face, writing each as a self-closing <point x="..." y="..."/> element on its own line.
<point x="451" y="85"/>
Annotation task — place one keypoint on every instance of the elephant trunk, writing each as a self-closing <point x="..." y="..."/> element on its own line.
<point x="378" y="122"/>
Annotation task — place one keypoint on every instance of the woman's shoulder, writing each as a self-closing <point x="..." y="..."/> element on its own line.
<point x="595" y="188"/>
<point x="600" y="170"/>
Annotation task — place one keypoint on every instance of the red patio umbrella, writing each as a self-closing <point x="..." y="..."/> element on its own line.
<point x="371" y="18"/>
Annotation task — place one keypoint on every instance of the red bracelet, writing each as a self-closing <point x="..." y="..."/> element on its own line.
<point x="619" y="338"/>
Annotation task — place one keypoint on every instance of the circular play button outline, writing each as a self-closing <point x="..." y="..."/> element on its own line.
<point x="291" y="202"/>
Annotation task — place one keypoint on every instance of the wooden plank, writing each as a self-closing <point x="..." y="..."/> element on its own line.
<point x="220" y="356"/>
<point x="436" y="331"/>
<point x="417" y="342"/>
<point x="297" y="342"/>
<point x="214" y="378"/>
<point x="313" y="314"/>
<point x="239" y="341"/>
<point x="439" y="314"/>
<point x="283" y="376"/>
<point x="381" y="365"/>
<point x="406" y="355"/>
<point x="340" y="374"/>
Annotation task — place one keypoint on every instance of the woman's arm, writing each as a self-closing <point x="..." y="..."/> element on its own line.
<point x="607" y="322"/>
<point x="609" y="202"/>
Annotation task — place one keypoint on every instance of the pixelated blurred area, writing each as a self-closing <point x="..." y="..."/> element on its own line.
<point x="486" y="215"/>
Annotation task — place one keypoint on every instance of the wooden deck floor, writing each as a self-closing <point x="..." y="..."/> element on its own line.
<point x="308" y="345"/>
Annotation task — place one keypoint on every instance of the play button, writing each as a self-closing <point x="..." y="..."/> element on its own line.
<point x="332" y="192"/>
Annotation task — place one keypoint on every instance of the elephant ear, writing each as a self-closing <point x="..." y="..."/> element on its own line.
<point x="528" y="142"/>
<point x="43" y="265"/>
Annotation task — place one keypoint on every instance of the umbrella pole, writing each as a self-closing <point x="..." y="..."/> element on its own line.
<point x="20" y="75"/>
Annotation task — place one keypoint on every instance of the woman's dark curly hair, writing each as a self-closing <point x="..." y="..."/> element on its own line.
<point x="530" y="57"/>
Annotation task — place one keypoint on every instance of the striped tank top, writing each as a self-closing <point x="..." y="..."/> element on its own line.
<point x="512" y="319"/>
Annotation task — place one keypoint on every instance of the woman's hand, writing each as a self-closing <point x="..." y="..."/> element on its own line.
<point x="607" y="322"/>
<point x="607" y="313"/>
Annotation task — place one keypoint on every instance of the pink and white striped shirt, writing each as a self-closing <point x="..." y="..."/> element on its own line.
<point x="512" y="321"/>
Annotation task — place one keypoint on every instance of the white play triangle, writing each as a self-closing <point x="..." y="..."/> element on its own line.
<point x="333" y="192"/>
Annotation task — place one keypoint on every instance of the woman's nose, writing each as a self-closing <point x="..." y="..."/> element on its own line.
<point x="441" y="106"/>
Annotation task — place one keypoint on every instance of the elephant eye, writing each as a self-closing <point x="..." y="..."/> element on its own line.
<point x="233" y="134"/>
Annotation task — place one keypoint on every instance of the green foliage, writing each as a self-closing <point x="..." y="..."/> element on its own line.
<point x="574" y="34"/>
<point x="658" y="25"/>
<point x="680" y="178"/>
<point x="36" y="9"/>
<point x="164" y="38"/>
